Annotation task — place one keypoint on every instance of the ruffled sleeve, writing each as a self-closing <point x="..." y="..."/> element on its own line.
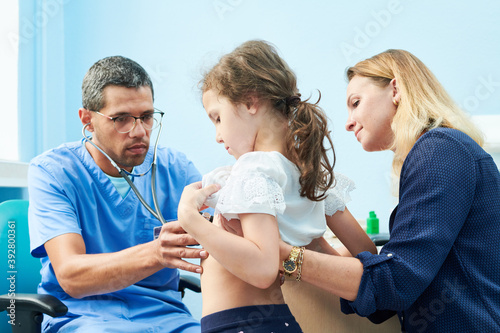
<point x="338" y="195"/>
<point x="255" y="185"/>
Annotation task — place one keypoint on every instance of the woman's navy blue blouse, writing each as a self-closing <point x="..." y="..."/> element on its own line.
<point x="440" y="270"/>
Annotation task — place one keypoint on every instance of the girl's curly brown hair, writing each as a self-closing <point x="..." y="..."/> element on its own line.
<point x="255" y="70"/>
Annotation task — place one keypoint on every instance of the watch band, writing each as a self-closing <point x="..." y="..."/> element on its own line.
<point x="292" y="263"/>
<point x="300" y="260"/>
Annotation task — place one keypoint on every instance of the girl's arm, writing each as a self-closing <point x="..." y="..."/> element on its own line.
<point x="350" y="233"/>
<point x="253" y="258"/>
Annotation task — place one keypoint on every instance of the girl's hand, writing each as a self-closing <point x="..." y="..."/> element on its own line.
<point x="195" y="196"/>
<point x="193" y="200"/>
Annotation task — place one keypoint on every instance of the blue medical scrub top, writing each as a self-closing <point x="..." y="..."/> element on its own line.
<point x="69" y="193"/>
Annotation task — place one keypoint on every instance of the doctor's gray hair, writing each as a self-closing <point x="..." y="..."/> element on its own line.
<point x="112" y="71"/>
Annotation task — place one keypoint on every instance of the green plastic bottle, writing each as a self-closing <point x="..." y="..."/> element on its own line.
<point x="372" y="224"/>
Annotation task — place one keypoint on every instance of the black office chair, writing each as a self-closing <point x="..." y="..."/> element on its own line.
<point x="25" y="308"/>
<point x="379" y="239"/>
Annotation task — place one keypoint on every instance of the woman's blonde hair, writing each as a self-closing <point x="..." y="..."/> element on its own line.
<point x="254" y="70"/>
<point x="424" y="103"/>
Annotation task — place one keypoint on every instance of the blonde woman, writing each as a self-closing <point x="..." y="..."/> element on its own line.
<point x="439" y="271"/>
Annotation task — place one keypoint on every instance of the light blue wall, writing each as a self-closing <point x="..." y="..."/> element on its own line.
<point x="176" y="40"/>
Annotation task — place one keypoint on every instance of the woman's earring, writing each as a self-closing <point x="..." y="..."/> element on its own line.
<point x="395" y="102"/>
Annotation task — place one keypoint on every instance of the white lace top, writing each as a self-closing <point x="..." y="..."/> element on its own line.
<point x="267" y="182"/>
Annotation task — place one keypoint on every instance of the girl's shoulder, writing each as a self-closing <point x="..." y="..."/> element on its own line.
<point x="264" y="160"/>
<point x="271" y="164"/>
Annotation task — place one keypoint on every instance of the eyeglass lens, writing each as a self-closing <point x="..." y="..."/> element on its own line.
<point x="125" y="124"/>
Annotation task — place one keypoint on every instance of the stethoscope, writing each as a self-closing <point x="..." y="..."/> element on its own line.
<point x="125" y="174"/>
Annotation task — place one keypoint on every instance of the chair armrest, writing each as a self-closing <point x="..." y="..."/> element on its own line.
<point x="26" y="310"/>
<point x="47" y="304"/>
<point x="189" y="282"/>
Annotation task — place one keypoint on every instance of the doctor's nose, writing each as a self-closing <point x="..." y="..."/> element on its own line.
<point x="138" y="130"/>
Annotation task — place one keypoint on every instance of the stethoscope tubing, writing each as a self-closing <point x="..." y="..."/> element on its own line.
<point x="125" y="174"/>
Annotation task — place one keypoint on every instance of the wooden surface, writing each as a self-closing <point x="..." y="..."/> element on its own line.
<point x="318" y="311"/>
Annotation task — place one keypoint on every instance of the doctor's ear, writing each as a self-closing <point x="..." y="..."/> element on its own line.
<point x="86" y="118"/>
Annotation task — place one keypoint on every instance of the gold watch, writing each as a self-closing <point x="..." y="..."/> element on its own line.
<point x="290" y="264"/>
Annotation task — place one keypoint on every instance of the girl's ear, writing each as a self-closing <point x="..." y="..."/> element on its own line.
<point x="252" y="104"/>
<point x="396" y="96"/>
<point x="86" y="118"/>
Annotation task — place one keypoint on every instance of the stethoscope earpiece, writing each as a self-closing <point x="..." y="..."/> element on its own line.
<point x="87" y="125"/>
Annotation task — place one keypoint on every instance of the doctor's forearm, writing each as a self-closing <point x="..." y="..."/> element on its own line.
<point x="81" y="274"/>
<point x="94" y="274"/>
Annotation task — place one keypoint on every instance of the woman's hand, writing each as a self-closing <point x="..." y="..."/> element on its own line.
<point x="285" y="250"/>
<point x="321" y="245"/>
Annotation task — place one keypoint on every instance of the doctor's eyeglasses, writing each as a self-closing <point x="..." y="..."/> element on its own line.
<point x="126" y="123"/>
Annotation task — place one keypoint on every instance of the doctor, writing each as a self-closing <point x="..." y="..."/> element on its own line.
<point x="93" y="236"/>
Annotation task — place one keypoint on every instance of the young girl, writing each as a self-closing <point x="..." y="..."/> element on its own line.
<point x="282" y="185"/>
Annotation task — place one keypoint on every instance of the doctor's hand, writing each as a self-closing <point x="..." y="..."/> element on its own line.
<point x="172" y="246"/>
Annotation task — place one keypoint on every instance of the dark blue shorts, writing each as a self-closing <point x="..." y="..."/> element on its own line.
<point x="275" y="318"/>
